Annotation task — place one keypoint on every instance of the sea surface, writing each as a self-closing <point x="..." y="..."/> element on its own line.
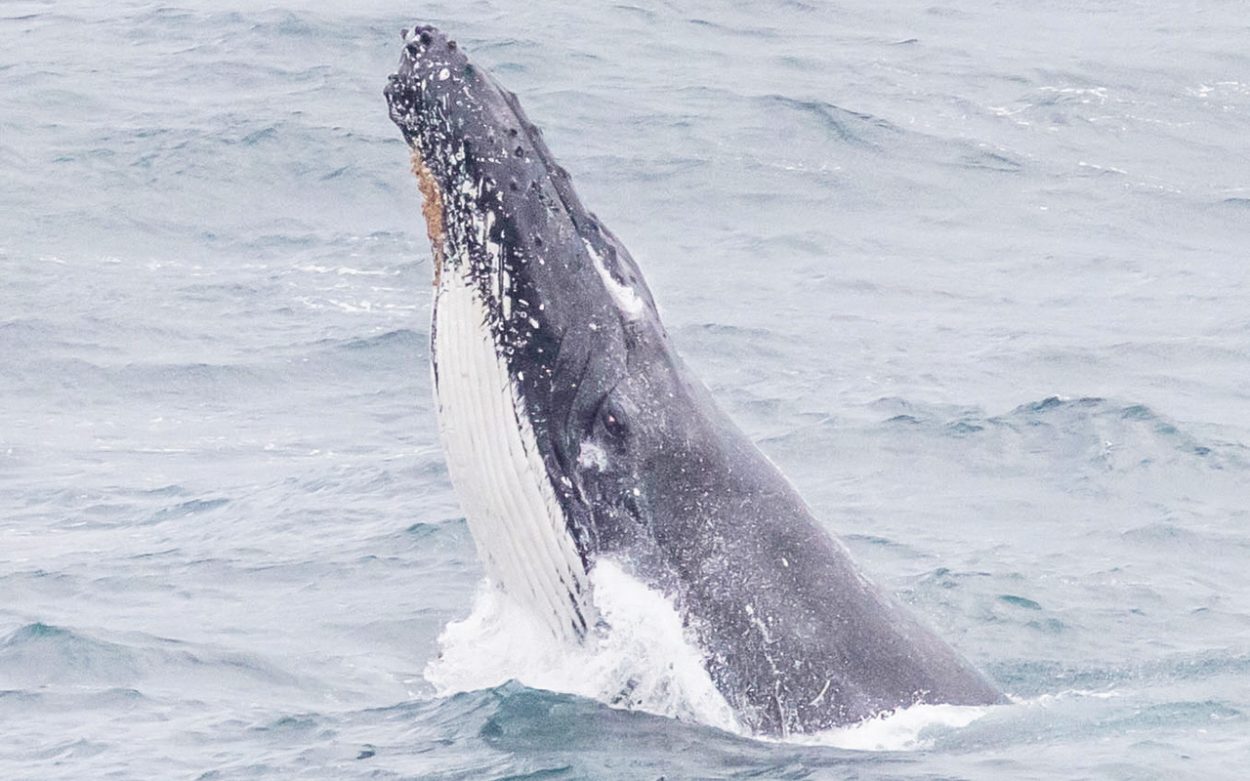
<point x="975" y="275"/>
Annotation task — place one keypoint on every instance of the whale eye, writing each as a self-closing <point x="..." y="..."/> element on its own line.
<point x="614" y="424"/>
<point x="610" y="421"/>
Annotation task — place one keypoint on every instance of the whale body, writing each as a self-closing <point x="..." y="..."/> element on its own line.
<point x="575" y="433"/>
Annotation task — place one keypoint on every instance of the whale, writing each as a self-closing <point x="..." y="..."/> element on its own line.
<point x="575" y="434"/>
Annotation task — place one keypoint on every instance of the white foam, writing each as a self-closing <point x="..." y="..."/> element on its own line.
<point x="642" y="660"/>
<point x="344" y="271"/>
<point x="905" y="729"/>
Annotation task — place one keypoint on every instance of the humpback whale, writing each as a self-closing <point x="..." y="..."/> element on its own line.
<point x="574" y="433"/>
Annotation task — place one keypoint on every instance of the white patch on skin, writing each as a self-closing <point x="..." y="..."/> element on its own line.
<point x="626" y="299"/>
<point x="443" y="74"/>
<point x="509" y="502"/>
<point x="759" y="624"/>
<point x="592" y="456"/>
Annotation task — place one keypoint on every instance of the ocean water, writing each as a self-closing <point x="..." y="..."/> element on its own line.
<point x="974" y="275"/>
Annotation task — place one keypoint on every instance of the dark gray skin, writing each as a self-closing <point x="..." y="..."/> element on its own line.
<point x="795" y="638"/>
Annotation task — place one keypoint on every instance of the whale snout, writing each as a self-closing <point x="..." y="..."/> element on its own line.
<point x="432" y="70"/>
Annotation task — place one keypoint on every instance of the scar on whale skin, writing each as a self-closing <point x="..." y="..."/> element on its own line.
<point x="432" y="210"/>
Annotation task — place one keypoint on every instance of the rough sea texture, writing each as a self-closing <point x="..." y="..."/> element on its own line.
<point x="976" y="276"/>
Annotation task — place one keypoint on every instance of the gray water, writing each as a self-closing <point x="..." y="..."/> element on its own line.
<point x="975" y="276"/>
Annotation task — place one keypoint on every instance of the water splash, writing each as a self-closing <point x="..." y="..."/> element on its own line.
<point x="905" y="729"/>
<point x="641" y="660"/>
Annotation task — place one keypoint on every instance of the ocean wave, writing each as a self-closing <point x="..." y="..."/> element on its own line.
<point x="1117" y="435"/>
<point x="40" y="654"/>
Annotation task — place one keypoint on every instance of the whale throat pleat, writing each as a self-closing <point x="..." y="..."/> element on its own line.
<point x="516" y="520"/>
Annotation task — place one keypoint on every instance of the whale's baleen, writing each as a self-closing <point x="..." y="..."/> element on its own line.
<point x="574" y="432"/>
